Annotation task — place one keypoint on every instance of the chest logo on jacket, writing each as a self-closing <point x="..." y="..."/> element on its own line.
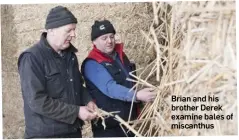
<point x="108" y="64"/>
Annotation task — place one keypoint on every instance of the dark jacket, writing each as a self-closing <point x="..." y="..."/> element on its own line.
<point x="103" y="101"/>
<point x="52" y="89"/>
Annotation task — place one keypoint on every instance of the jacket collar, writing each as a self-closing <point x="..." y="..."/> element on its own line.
<point x="44" y="43"/>
<point x="101" y="57"/>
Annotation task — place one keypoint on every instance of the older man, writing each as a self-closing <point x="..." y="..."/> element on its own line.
<point x="55" y="101"/>
<point x="105" y="71"/>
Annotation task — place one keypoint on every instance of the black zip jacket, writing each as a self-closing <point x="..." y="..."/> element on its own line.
<point x="52" y="89"/>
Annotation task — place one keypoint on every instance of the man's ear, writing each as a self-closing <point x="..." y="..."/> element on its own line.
<point x="118" y="38"/>
<point x="94" y="42"/>
<point x="43" y="30"/>
<point x="51" y="31"/>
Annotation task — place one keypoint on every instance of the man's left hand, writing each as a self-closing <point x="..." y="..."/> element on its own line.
<point x="92" y="106"/>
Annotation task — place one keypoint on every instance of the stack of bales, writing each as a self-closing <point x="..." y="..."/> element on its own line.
<point x="193" y="54"/>
<point x="22" y="26"/>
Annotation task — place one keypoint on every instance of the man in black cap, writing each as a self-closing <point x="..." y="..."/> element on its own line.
<point x="55" y="101"/>
<point x="105" y="71"/>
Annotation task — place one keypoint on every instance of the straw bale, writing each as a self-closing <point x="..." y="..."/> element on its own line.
<point x="199" y="50"/>
<point x="22" y="25"/>
<point x="13" y="119"/>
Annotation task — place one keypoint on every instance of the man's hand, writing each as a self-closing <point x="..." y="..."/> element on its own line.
<point x="92" y="106"/>
<point x="86" y="114"/>
<point x="146" y="95"/>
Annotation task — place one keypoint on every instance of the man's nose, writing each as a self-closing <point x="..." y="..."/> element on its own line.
<point x="73" y="33"/>
<point x="109" y="40"/>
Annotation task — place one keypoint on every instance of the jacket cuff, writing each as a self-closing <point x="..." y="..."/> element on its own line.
<point x="130" y="95"/>
<point x="75" y="115"/>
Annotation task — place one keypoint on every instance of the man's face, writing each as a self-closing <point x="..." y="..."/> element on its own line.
<point x="105" y="43"/>
<point x="63" y="36"/>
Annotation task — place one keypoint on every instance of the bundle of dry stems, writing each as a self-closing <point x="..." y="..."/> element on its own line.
<point x="192" y="47"/>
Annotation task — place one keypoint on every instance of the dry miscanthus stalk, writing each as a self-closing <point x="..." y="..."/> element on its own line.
<point x="195" y="48"/>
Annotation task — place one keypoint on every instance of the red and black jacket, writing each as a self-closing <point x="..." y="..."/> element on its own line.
<point x="104" y="102"/>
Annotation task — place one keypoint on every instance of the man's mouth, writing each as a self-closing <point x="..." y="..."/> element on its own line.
<point x="109" y="46"/>
<point x="67" y="41"/>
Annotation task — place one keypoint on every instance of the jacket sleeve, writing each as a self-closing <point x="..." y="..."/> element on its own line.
<point x="86" y="98"/>
<point x="101" y="78"/>
<point x="85" y="95"/>
<point x="34" y="92"/>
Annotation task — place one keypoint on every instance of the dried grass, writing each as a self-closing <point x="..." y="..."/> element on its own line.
<point x="193" y="53"/>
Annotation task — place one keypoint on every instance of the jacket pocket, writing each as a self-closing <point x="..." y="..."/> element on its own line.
<point x="54" y="85"/>
<point x="118" y="76"/>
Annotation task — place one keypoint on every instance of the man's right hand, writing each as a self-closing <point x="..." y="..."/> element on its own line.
<point x="146" y="95"/>
<point x="85" y="114"/>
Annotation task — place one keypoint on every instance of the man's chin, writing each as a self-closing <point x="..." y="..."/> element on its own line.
<point x="65" y="46"/>
<point x="109" y="51"/>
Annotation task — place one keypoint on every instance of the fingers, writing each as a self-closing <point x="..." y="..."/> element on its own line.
<point x="151" y="96"/>
<point x="86" y="113"/>
<point x="152" y="99"/>
<point x="90" y="109"/>
<point x="91" y="116"/>
<point x="95" y="106"/>
<point x="149" y="89"/>
<point x="92" y="106"/>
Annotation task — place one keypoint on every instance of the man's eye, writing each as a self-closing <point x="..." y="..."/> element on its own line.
<point x="68" y="31"/>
